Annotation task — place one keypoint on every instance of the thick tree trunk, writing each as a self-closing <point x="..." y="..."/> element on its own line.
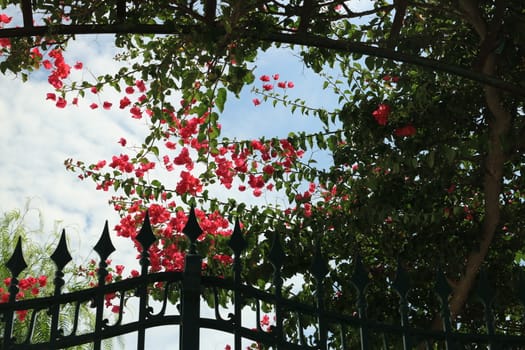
<point x="498" y="120"/>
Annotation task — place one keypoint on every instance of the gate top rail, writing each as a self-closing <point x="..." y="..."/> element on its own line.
<point x="190" y="285"/>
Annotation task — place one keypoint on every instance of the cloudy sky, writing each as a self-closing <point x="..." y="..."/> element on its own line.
<point x="36" y="138"/>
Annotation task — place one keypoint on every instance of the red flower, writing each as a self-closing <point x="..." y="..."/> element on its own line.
<point x="130" y="90"/>
<point x="78" y="65"/>
<point x="275" y="77"/>
<point x="47" y="64"/>
<point x="42" y="281"/>
<point x="93" y="106"/>
<point x="61" y="103"/>
<point x="267" y="87"/>
<point x="122" y="141"/>
<point x="381" y="114"/>
<point x="136" y="112"/>
<point x="290" y="84"/>
<point x="124" y="102"/>
<point x="5" y="18"/>
<point x="119" y="269"/>
<point x="94" y="89"/>
<point x="140" y="85"/>
<point x="265" y="78"/>
<point x="51" y="96"/>
<point x="282" y="84"/>
<point x="21" y="314"/>
<point x="268" y="169"/>
<point x="256" y="101"/>
<point x="405" y="131"/>
<point x="107" y="105"/>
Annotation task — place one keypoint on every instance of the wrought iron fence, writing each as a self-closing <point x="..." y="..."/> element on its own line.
<point x="317" y="327"/>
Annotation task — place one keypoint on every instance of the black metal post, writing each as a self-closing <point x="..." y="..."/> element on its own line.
<point x="191" y="292"/>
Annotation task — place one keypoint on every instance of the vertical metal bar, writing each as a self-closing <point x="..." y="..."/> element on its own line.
<point x="237" y="301"/>
<point x="9" y="316"/>
<point x="61" y="258"/>
<point x="276" y="257"/>
<point x="237" y="243"/>
<point x="99" y="304"/>
<point x="190" y="314"/>
<point x="27" y="13"/>
<point x="143" y="301"/>
<point x="146" y="238"/>
<point x="319" y="270"/>
<point x="403" y="310"/>
<point x="360" y="280"/>
<point x="363" y="329"/>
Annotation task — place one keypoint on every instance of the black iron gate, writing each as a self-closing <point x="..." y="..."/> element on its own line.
<point x="349" y="330"/>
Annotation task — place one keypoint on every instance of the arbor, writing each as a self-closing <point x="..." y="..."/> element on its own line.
<point x="426" y="142"/>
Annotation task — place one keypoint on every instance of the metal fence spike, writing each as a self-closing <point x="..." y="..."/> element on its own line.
<point x="360" y="277"/>
<point x="17" y="263"/>
<point x="402" y="283"/>
<point x="237" y="242"/>
<point x="61" y="256"/>
<point x="319" y="266"/>
<point x="146" y="236"/>
<point x="442" y="288"/>
<point x="484" y="290"/>
<point x="276" y="255"/>
<point x="104" y="246"/>
<point x="192" y="230"/>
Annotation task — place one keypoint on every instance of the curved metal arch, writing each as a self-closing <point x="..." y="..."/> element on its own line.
<point x="300" y="38"/>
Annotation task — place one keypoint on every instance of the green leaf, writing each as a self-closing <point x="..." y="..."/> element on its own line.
<point x="220" y="100"/>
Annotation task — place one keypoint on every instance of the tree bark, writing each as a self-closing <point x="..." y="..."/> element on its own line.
<point x="499" y="121"/>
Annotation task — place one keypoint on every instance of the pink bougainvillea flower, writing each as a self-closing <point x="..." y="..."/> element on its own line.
<point x="51" y="96"/>
<point x="405" y="131"/>
<point x="124" y="102"/>
<point x="93" y="106"/>
<point x="107" y="105"/>
<point x="256" y="101"/>
<point x="42" y="280"/>
<point x="78" y="65"/>
<point x="282" y="84"/>
<point x="267" y="87"/>
<point x="275" y="77"/>
<point x="140" y="85"/>
<point x="61" y="102"/>
<point x="122" y="141"/>
<point x="94" y="89"/>
<point x="47" y="64"/>
<point x="381" y="114"/>
<point x="265" y="78"/>
<point x="130" y="90"/>
<point x="5" y="18"/>
<point x="290" y="84"/>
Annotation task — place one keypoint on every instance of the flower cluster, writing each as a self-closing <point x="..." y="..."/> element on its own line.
<point x="268" y="86"/>
<point x="28" y="287"/>
<point x="381" y="114"/>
